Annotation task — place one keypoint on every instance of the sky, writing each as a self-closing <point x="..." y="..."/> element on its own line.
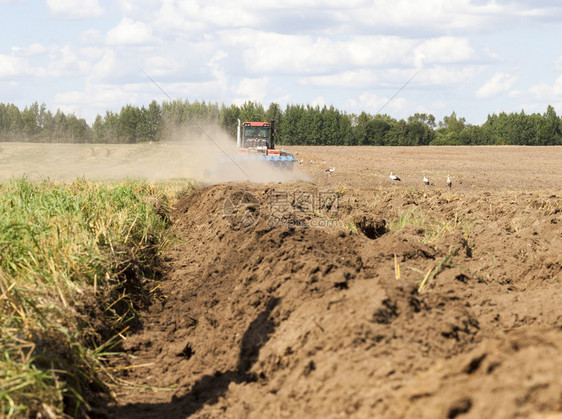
<point x="397" y="57"/>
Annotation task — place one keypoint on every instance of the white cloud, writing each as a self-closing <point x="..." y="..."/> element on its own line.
<point x="92" y="54"/>
<point x="11" y="66"/>
<point x="491" y="54"/>
<point x="75" y="9"/>
<point x="446" y="49"/>
<point x="209" y="91"/>
<point x="319" y="101"/>
<point x="442" y="75"/>
<point x="91" y="37"/>
<point x="542" y="92"/>
<point x="302" y="54"/>
<point x="323" y="16"/>
<point x="218" y="71"/>
<point x="127" y="5"/>
<point x="95" y="99"/>
<point x="159" y="65"/>
<point x="63" y="62"/>
<point x="110" y="67"/>
<point x="350" y="79"/>
<point x="438" y="75"/>
<point x="55" y="62"/>
<point x="220" y="13"/>
<point x="251" y="90"/>
<point x="188" y="17"/>
<point x="500" y="82"/>
<point x="282" y="100"/>
<point x="446" y="15"/>
<point x="372" y="103"/>
<point x="298" y="54"/>
<point x="129" y="32"/>
<point x="216" y="63"/>
<point x="171" y="20"/>
<point x="558" y="63"/>
<point x="31" y="50"/>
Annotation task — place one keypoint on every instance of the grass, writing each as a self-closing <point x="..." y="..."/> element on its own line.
<point x="76" y="263"/>
<point x="434" y="227"/>
<point x="444" y="263"/>
<point x="432" y="272"/>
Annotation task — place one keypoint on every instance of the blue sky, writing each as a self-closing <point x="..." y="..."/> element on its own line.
<point x="473" y="57"/>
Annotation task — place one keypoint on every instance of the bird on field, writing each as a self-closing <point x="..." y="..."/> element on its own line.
<point x="300" y="161"/>
<point x="449" y="183"/>
<point x="332" y="170"/>
<point x="425" y="180"/>
<point x="394" y="177"/>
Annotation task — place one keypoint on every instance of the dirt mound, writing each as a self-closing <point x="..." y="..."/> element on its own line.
<point x="287" y="300"/>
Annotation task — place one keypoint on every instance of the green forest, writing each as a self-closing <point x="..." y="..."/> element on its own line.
<point x="296" y="125"/>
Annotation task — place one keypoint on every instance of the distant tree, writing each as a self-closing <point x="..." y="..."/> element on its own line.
<point x="129" y="120"/>
<point x="77" y="129"/>
<point x="378" y="128"/>
<point x="98" y="130"/>
<point x="290" y="129"/>
<point x="427" y="119"/>
<point x="30" y="122"/>
<point x="172" y="113"/>
<point x="111" y="127"/>
<point x="45" y="123"/>
<point x="252" y="111"/>
<point x="13" y="123"/>
<point x="59" y="134"/>
<point x="417" y="133"/>
<point x="361" y="130"/>
<point x="274" y="113"/>
<point x="143" y="131"/>
<point x="148" y="124"/>
<point x="296" y="124"/>
<point x="396" y="135"/>
<point x="153" y="117"/>
<point x="345" y="130"/>
<point x="474" y="135"/>
<point x="330" y="133"/>
<point x="550" y="131"/>
<point x="229" y="117"/>
<point x="449" y="130"/>
<point x="314" y="126"/>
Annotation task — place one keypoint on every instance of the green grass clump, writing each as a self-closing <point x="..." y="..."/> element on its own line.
<point x="76" y="260"/>
<point x="434" y="227"/>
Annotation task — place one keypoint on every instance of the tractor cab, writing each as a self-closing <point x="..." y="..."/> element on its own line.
<point x="257" y="136"/>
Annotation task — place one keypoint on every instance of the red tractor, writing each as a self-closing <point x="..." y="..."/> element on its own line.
<point x="259" y="138"/>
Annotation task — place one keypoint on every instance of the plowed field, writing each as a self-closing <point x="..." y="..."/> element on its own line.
<point x="353" y="295"/>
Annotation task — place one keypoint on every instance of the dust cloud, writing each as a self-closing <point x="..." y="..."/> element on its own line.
<point x="206" y="154"/>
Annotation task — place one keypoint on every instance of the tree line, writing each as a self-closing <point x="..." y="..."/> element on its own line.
<point x="296" y="125"/>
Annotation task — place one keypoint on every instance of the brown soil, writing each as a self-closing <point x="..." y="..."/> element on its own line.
<point x="280" y="300"/>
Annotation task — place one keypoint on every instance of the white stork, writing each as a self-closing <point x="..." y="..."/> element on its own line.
<point x="449" y="183"/>
<point x="301" y="161"/>
<point x="332" y="170"/>
<point x="425" y="180"/>
<point x="394" y="177"/>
